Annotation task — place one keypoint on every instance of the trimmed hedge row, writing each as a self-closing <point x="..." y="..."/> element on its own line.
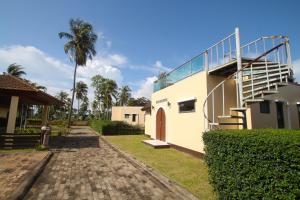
<point x="121" y="128"/>
<point x="106" y="127"/>
<point x="254" y="164"/>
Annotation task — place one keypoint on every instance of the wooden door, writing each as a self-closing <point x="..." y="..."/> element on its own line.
<point x="161" y="125"/>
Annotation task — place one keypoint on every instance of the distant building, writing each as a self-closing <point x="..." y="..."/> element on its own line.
<point x="130" y="114"/>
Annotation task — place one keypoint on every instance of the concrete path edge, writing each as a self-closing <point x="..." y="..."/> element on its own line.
<point x="30" y="178"/>
<point x="156" y="175"/>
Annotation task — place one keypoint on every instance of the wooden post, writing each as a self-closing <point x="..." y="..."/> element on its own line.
<point x="45" y="115"/>
<point x="11" y="123"/>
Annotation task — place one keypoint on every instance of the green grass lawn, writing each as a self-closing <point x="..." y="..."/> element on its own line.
<point x="186" y="170"/>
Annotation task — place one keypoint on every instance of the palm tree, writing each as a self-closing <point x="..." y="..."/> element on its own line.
<point x="81" y="91"/>
<point x="80" y="47"/>
<point x="15" y="70"/>
<point x="124" y="95"/>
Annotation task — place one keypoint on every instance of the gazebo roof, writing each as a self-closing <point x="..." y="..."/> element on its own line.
<point x="13" y="86"/>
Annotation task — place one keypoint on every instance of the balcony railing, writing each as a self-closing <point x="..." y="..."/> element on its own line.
<point x="219" y="54"/>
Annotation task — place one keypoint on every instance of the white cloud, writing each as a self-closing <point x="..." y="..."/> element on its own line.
<point x="53" y="73"/>
<point x="296" y="66"/>
<point x="146" y="88"/>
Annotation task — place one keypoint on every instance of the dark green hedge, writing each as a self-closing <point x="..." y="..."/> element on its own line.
<point x="254" y="164"/>
<point x="121" y="128"/>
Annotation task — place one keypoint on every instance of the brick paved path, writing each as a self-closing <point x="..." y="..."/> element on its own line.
<point x="85" y="167"/>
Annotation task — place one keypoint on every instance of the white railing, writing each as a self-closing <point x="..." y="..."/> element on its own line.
<point x="249" y="65"/>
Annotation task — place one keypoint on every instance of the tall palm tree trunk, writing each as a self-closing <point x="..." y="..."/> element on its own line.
<point x="78" y="108"/>
<point x="72" y="100"/>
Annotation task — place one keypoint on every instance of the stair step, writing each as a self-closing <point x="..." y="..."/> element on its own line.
<point x="277" y="75"/>
<point x="253" y="100"/>
<point x="238" y="109"/>
<point x="230" y="123"/>
<point x="264" y="67"/>
<point x="272" y="82"/>
<point x="264" y="71"/>
<point x="213" y="124"/>
<point x="230" y="117"/>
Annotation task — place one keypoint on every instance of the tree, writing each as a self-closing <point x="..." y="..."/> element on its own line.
<point x="84" y="107"/>
<point x="61" y="111"/>
<point x="106" y="90"/>
<point x="80" y="47"/>
<point x="138" y="102"/>
<point x="124" y="95"/>
<point x="81" y="91"/>
<point x="15" y="70"/>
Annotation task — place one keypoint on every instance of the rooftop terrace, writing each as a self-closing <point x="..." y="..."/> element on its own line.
<point x="221" y="54"/>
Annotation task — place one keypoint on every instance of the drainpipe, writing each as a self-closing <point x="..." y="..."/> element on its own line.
<point x="239" y="66"/>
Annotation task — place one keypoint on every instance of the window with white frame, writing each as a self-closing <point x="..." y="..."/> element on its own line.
<point x="187" y="106"/>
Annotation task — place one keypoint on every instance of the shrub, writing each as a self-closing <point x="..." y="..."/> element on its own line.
<point x="58" y="122"/>
<point x="98" y="124"/>
<point x="254" y="164"/>
<point x="33" y="121"/>
<point x="121" y="128"/>
<point x="41" y="147"/>
<point x="80" y="123"/>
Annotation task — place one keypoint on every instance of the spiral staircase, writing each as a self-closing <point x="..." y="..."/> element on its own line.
<point x="255" y="77"/>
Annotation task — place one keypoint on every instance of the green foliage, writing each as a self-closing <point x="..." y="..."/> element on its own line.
<point x="121" y="128"/>
<point x="34" y="121"/>
<point x="80" y="123"/>
<point x="30" y="131"/>
<point x="97" y="125"/>
<point x="254" y="164"/>
<point x="41" y="147"/>
<point x="58" y="122"/>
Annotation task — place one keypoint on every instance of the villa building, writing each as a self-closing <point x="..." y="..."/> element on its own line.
<point x="130" y="114"/>
<point x="227" y="86"/>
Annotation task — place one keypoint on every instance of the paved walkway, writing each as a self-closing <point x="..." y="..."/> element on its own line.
<point x="14" y="168"/>
<point x="85" y="167"/>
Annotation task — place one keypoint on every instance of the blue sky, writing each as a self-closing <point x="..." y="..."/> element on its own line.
<point x="137" y="38"/>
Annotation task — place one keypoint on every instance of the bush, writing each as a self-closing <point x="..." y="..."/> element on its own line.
<point x="254" y="164"/>
<point x="41" y="147"/>
<point x="58" y="122"/>
<point x="33" y="121"/>
<point x="121" y="128"/>
<point x="97" y="125"/>
<point x="80" y="123"/>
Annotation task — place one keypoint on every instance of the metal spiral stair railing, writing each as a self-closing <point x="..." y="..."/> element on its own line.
<point x="248" y="67"/>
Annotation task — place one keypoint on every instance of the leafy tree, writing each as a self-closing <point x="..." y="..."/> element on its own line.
<point x="106" y="91"/>
<point x="138" y="102"/>
<point x="81" y="92"/>
<point x="80" y="47"/>
<point x="15" y="70"/>
<point x="83" y="111"/>
<point x="124" y="95"/>
<point x="61" y="111"/>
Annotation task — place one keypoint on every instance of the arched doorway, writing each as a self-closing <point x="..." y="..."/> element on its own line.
<point x="161" y="125"/>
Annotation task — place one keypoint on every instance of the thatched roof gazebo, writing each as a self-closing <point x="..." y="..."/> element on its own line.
<point x="15" y="92"/>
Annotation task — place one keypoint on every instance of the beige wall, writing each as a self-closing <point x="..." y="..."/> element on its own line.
<point x="118" y="114"/>
<point x="147" y="124"/>
<point x="183" y="129"/>
<point x="290" y="95"/>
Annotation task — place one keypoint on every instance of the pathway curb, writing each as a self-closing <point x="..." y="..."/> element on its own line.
<point x="30" y="178"/>
<point x="165" y="181"/>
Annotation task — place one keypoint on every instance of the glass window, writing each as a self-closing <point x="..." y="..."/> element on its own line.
<point x="134" y="117"/>
<point x="187" y="106"/>
<point x="264" y="107"/>
<point x="127" y="116"/>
